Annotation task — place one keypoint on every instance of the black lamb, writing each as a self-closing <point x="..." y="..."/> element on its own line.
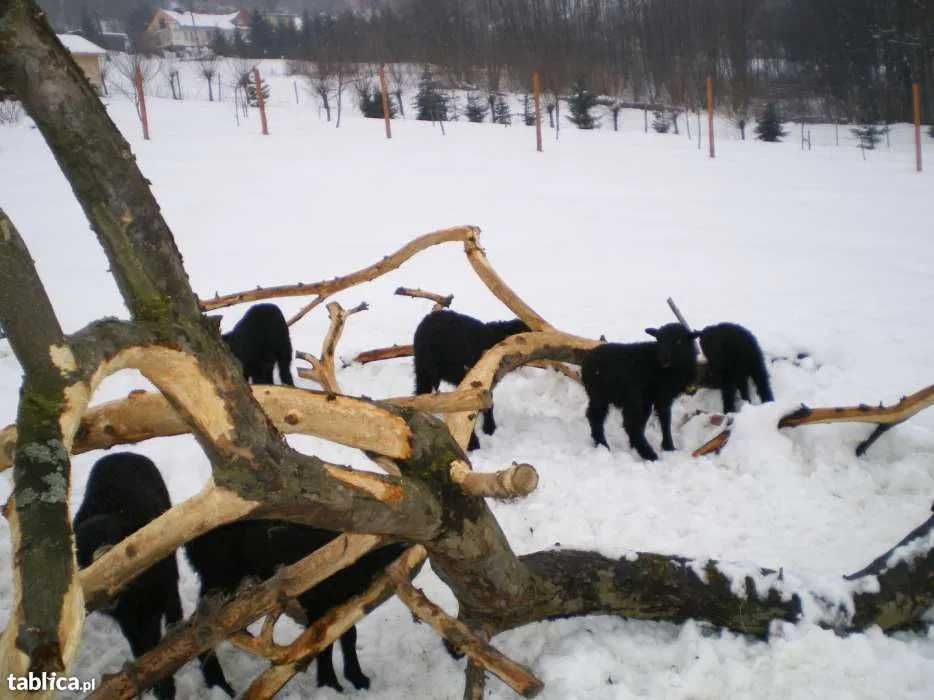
<point x="733" y="358"/>
<point x="260" y="340"/>
<point x="125" y="492"/>
<point x="635" y="377"/>
<point x="449" y="344"/>
<point x="226" y="556"/>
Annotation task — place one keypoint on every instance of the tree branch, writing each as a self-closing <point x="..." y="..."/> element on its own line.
<point x="329" y="628"/>
<point x="380" y="354"/>
<point x="338" y="284"/>
<point x="463" y="639"/>
<point x="885" y="417"/>
<point x="45" y="621"/>
<point x="516" y="481"/>
<point x="146" y="415"/>
<point x="441" y="302"/>
<point x="206" y="629"/>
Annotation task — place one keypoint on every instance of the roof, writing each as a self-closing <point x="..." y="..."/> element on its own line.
<point x="196" y="19"/>
<point x="78" y="44"/>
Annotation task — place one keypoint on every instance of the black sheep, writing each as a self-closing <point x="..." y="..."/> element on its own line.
<point x="255" y="549"/>
<point x="260" y="340"/>
<point x="733" y="358"/>
<point x="635" y="377"/>
<point x="448" y="344"/>
<point x="125" y="492"/>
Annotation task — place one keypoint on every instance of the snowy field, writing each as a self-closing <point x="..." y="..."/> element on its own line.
<point x="817" y="252"/>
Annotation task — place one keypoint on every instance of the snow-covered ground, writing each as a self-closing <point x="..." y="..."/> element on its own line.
<point x="818" y="252"/>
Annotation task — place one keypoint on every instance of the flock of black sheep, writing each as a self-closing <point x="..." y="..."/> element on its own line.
<point x="634" y="377"/>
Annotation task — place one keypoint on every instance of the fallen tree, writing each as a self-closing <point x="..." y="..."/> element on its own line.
<point x="428" y="498"/>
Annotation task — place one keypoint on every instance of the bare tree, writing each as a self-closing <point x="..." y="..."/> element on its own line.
<point x="239" y="73"/>
<point x="399" y="82"/>
<point x="128" y="66"/>
<point x="323" y="78"/>
<point x="207" y="66"/>
<point x="344" y="74"/>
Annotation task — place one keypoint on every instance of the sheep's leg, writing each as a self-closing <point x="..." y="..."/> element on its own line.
<point x="285" y="373"/>
<point x="143" y="634"/>
<point x="173" y="605"/>
<point x="213" y="673"/>
<point x="489" y="423"/>
<point x="352" y="670"/>
<point x="663" y="408"/>
<point x="425" y="380"/>
<point x="761" y="379"/>
<point x="263" y="374"/>
<point x="728" y="392"/>
<point x="597" y="410"/>
<point x="634" y="419"/>
<point x="743" y="384"/>
<point x="326" y="675"/>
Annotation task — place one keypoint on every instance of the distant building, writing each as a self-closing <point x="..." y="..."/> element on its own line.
<point x="115" y="41"/>
<point x="87" y="55"/>
<point x="181" y="31"/>
<point x="283" y="19"/>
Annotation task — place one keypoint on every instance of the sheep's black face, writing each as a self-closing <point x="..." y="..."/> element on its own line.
<point x="674" y="345"/>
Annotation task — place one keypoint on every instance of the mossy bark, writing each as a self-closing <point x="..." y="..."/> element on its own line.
<point x="43" y="546"/>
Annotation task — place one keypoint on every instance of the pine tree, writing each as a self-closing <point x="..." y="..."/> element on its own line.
<point x="476" y="108"/>
<point x="431" y="103"/>
<point x="249" y="84"/>
<point x="220" y="45"/>
<point x="660" y="122"/>
<point x="769" y="124"/>
<point x="90" y="27"/>
<point x="528" y="114"/>
<point x="501" y="112"/>
<point x="580" y="102"/>
<point x="868" y="135"/>
<point x="371" y="103"/>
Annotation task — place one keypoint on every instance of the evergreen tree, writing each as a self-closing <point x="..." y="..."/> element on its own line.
<point x="501" y="112"/>
<point x="580" y="102"/>
<point x="431" y="103"/>
<point x="769" y="124"/>
<point x="262" y="36"/>
<point x="454" y="107"/>
<point x="249" y="84"/>
<point x="931" y="131"/>
<point x="220" y="46"/>
<point x="371" y="103"/>
<point x="476" y="108"/>
<point x="660" y="122"/>
<point x="868" y="135"/>
<point x="528" y="114"/>
<point x="239" y="47"/>
<point x="91" y="27"/>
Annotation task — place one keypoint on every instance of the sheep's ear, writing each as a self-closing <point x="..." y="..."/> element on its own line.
<point x="652" y="332"/>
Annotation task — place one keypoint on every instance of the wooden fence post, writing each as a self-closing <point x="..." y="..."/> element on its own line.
<point x="537" y="90"/>
<point x="710" y="115"/>
<point x="384" y="93"/>
<point x="141" y="98"/>
<point x="260" y="100"/>
<point x="916" y="98"/>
